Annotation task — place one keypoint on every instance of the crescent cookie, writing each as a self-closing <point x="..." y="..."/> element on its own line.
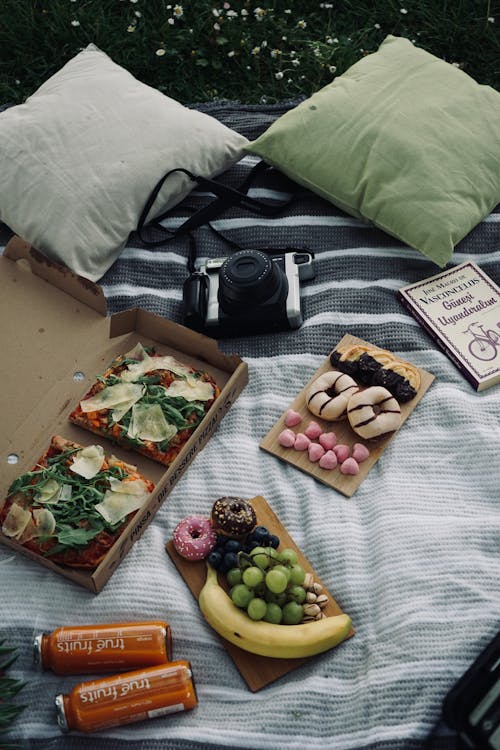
<point x="407" y="371"/>
<point x="373" y="412"/>
<point x="353" y="359"/>
<point x="328" y="395"/>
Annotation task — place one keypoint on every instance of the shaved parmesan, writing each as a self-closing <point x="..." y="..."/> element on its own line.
<point x="148" y="364"/>
<point x="148" y="423"/>
<point x="138" y="352"/>
<point x="192" y="389"/>
<point x="52" y="492"/>
<point x="65" y="493"/>
<point x="45" y="522"/>
<point x="30" y="532"/>
<point x="48" y="492"/>
<point x="123" y="498"/>
<point x="16" y="521"/>
<point x="88" y="462"/>
<point x="128" y="486"/>
<point x="120" y="397"/>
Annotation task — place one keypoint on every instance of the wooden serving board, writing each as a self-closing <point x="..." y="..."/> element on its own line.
<point x="257" y="671"/>
<point x="347" y="485"/>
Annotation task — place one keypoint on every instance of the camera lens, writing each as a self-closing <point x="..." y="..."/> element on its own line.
<point x="248" y="277"/>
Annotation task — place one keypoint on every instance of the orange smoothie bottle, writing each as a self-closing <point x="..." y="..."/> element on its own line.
<point x="104" y="648"/>
<point x="126" y="698"/>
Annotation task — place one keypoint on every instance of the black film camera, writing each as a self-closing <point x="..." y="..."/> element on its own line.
<point x="248" y="292"/>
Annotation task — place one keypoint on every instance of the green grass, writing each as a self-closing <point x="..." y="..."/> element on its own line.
<point x="247" y="51"/>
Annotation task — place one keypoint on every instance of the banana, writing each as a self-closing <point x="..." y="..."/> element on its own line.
<point x="264" y="638"/>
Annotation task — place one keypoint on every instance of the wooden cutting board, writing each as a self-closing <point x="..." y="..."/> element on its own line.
<point x="257" y="671"/>
<point x="347" y="485"/>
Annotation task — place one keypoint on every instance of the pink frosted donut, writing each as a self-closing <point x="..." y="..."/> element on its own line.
<point x="194" y="538"/>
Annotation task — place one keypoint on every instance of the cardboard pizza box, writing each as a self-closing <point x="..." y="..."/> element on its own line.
<point x="55" y="339"/>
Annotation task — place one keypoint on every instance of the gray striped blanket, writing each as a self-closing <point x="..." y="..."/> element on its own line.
<point x="413" y="556"/>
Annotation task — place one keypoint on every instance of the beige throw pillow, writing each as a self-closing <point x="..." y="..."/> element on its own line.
<point x="80" y="157"/>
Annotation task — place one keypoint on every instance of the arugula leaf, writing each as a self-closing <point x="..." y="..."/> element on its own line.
<point x="72" y="537"/>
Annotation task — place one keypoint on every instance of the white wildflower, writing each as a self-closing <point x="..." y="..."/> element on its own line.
<point x="74" y="22"/>
<point x="160" y="52"/>
<point x="279" y="75"/>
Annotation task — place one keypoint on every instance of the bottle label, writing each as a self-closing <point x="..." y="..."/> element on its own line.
<point x="166" y="710"/>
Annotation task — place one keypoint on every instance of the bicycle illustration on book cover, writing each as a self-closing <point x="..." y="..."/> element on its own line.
<point x="485" y="342"/>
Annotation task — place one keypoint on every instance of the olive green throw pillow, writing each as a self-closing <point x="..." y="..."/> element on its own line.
<point x="403" y="140"/>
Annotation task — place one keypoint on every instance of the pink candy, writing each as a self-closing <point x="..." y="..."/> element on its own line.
<point x="342" y="452"/>
<point x="316" y="451"/>
<point x="292" y="418"/>
<point x="349" y="466"/>
<point x="322" y="447"/>
<point x="313" y="430"/>
<point x="286" y="438"/>
<point x="328" y="440"/>
<point x="301" y="442"/>
<point x="360" y="452"/>
<point x="328" y="461"/>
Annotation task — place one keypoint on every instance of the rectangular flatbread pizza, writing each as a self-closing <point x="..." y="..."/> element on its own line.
<point x="72" y="506"/>
<point x="148" y="403"/>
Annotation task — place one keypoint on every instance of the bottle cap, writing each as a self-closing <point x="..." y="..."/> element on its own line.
<point x="37" y="651"/>
<point x="61" y="715"/>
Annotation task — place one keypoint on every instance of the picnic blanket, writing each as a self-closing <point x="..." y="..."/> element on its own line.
<point x="413" y="556"/>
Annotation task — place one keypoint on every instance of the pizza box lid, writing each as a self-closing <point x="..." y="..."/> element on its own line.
<point x="56" y="337"/>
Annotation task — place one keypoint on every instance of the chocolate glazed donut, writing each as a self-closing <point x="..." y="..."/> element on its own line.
<point x="233" y="516"/>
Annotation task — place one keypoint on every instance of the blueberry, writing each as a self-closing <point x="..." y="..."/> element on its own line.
<point x="230" y="560"/>
<point x="232" y="545"/>
<point x="215" y="559"/>
<point x="260" y="534"/>
<point x="273" y="541"/>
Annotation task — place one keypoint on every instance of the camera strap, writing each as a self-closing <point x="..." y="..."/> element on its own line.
<point x="226" y="197"/>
